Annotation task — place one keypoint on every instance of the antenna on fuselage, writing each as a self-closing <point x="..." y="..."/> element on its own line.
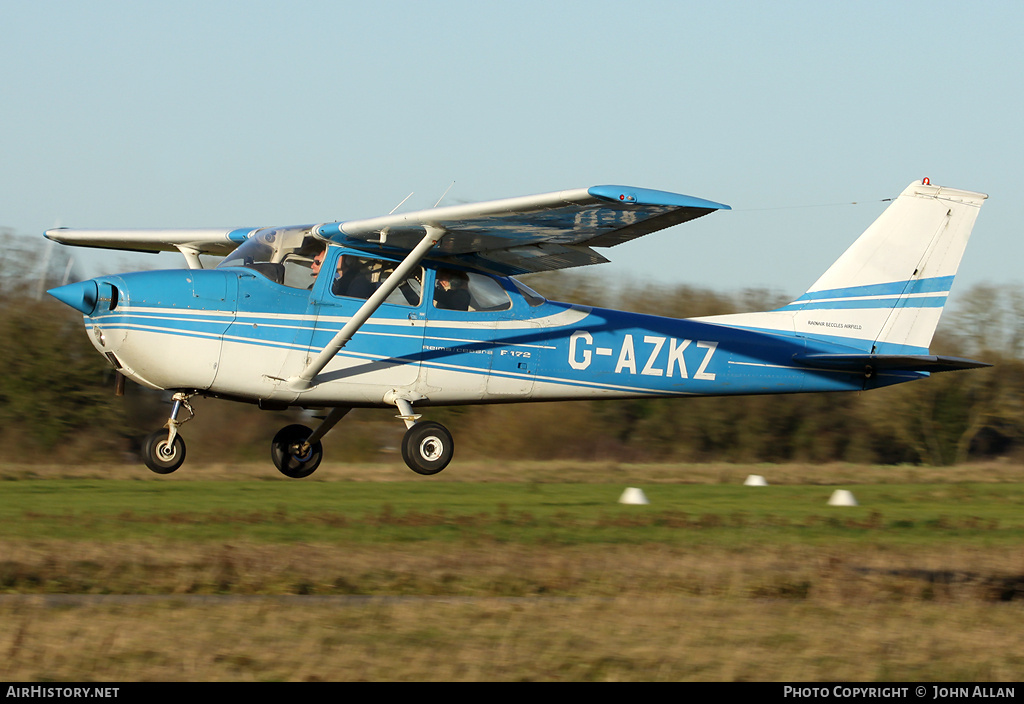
<point x="400" y="204"/>
<point x="444" y="194"/>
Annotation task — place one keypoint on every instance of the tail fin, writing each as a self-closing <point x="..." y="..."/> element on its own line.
<point x="886" y="292"/>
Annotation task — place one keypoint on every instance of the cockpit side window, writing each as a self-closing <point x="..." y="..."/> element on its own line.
<point x="360" y="277"/>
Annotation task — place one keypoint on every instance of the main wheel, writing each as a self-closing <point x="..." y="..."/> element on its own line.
<point x="427" y="447"/>
<point x="161" y="457"/>
<point x="286" y="451"/>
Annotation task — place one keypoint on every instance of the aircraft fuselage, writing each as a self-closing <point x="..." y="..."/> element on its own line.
<point x="234" y="333"/>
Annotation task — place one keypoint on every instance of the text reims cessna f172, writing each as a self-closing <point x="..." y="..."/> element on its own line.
<point x="420" y="309"/>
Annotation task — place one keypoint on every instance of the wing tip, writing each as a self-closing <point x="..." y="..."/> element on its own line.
<point x="631" y="195"/>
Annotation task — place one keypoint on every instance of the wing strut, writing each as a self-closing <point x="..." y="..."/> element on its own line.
<point x="305" y="378"/>
<point x="191" y="255"/>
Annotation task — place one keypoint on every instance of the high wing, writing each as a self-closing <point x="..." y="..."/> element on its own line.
<point x="190" y="242"/>
<point x="206" y="240"/>
<point x="530" y="233"/>
<point x="511" y="236"/>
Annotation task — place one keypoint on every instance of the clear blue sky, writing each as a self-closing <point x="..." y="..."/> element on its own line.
<point x="182" y="114"/>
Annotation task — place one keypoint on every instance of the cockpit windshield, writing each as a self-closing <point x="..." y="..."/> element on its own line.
<point x="283" y="254"/>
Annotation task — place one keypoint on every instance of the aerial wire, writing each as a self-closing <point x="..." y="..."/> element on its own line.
<point x="444" y="194"/>
<point x="400" y="204"/>
<point x="813" y="205"/>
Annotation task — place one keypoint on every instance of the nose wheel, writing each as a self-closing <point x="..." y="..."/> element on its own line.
<point x="163" y="451"/>
<point x="161" y="456"/>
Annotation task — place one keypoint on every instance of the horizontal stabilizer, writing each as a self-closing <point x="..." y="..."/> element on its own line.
<point x="869" y="363"/>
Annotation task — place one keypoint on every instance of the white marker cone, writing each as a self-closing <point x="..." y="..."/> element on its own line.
<point x="632" y="495"/>
<point x="755" y="480"/>
<point x="842" y="497"/>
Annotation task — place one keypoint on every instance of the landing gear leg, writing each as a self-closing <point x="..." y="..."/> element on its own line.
<point x="427" y="447"/>
<point x="164" y="451"/>
<point x="297" y="451"/>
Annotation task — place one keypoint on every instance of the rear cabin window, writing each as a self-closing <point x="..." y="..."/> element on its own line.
<point x="468" y="291"/>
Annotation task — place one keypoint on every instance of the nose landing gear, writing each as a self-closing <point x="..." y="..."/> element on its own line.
<point x="164" y="451"/>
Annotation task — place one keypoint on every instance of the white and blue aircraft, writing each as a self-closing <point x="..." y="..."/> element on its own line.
<point x="422" y="309"/>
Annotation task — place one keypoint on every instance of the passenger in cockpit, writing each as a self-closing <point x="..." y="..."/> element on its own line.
<point x="450" y="291"/>
<point x="352" y="279"/>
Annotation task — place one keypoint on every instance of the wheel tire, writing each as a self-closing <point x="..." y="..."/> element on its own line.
<point x="283" y="452"/>
<point x="158" y="456"/>
<point x="427" y="447"/>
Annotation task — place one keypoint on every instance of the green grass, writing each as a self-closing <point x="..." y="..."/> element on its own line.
<point x="711" y="581"/>
<point x="338" y="512"/>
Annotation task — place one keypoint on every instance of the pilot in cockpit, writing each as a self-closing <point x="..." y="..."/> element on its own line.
<point x="318" y="261"/>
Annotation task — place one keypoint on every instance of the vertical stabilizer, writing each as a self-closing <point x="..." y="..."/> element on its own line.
<point x="886" y="292"/>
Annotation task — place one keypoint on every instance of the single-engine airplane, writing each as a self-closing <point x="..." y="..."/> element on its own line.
<point x="422" y="309"/>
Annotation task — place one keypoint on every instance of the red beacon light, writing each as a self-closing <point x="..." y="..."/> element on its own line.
<point x="926" y="181"/>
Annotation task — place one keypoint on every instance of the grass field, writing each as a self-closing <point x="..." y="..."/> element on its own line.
<point x="511" y="572"/>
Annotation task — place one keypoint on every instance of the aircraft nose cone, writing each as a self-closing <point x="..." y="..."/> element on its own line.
<point x="81" y="296"/>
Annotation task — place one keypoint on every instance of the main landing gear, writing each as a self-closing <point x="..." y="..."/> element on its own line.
<point x="296" y="450"/>
<point x="427" y="447"/>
